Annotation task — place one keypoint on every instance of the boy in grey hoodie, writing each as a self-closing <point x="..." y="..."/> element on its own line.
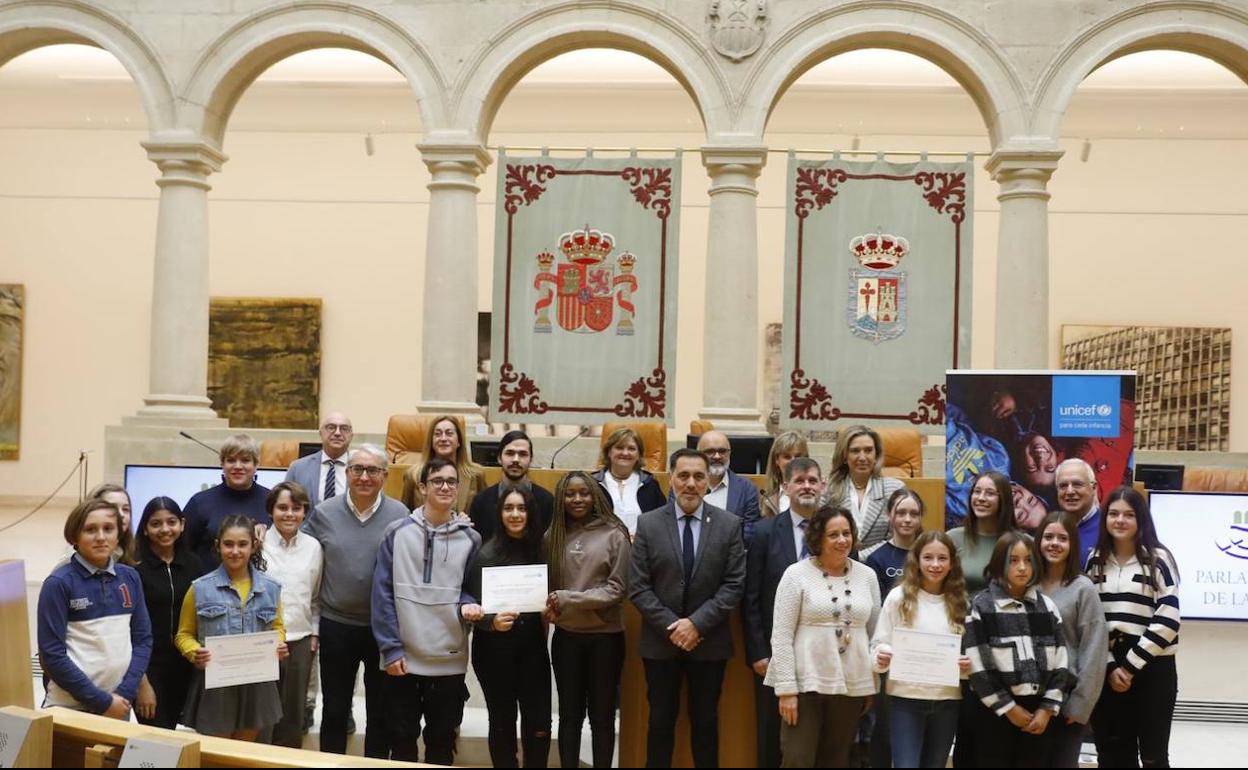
<point x="421" y="616"/>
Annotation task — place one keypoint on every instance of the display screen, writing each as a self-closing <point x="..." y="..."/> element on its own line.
<point x="143" y="482"/>
<point x="1208" y="534"/>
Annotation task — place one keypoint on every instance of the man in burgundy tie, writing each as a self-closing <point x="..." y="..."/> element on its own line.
<point x="686" y="576"/>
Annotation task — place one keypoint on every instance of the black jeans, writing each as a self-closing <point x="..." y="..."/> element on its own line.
<point x="705" y="680"/>
<point x="344" y="649"/>
<point x="1133" y="727"/>
<point x="881" y="720"/>
<point x="439" y="700"/>
<point x="170" y="676"/>
<point x="767" y="716"/>
<point x="587" y="673"/>
<point x="514" y="669"/>
<point x="998" y="743"/>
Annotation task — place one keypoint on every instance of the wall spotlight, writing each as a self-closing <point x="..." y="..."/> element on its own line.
<point x="1086" y="150"/>
<point x="369" y="149"/>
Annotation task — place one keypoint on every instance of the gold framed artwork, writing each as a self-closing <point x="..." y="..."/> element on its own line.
<point x="1183" y="379"/>
<point x="12" y="317"/>
<point x="264" y="361"/>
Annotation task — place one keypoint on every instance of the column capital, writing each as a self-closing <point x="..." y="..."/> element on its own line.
<point x="1024" y="172"/>
<point x="720" y="158"/>
<point x="468" y="158"/>
<point x="183" y="161"/>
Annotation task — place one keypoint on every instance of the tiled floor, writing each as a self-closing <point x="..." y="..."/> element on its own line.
<point x="38" y="541"/>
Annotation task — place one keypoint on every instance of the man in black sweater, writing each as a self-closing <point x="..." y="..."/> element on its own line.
<point x="515" y="454"/>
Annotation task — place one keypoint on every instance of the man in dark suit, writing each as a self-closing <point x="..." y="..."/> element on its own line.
<point x="515" y="454"/>
<point x="686" y="576"/>
<point x="778" y="543"/>
<point x="324" y="474"/>
<point x="724" y="488"/>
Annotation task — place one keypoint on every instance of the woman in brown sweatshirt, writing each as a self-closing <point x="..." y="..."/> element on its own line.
<point x="588" y="551"/>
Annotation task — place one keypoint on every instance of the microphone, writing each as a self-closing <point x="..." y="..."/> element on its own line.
<point x="188" y="436"/>
<point x="568" y="443"/>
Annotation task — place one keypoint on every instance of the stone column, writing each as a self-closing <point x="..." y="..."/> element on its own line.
<point x="178" y="374"/>
<point x="730" y="337"/>
<point x="448" y="355"/>
<point x="1022" y="328"/>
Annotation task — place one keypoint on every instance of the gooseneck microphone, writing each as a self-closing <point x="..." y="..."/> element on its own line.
<point x="568" y="443"/>
<point x="189" y="437"/>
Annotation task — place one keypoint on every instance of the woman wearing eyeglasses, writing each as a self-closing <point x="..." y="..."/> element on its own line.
<point x="445" y="439"/>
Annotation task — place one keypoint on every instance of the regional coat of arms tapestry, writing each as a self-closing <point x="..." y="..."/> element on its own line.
<point x="877" y="291"/>
<point x="585" y="266"/>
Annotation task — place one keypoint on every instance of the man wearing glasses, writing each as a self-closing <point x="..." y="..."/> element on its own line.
<point x="726" y="489"/>
<point x="350" y="528"/>
<point x="324" y="474"/>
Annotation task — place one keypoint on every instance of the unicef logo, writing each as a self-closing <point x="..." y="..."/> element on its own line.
<point x="1104" y="410"/>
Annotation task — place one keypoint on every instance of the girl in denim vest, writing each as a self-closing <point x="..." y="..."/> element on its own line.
<point x="235" y="598"/>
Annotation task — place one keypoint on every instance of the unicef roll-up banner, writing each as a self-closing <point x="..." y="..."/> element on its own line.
<point x="1024" y="423"/>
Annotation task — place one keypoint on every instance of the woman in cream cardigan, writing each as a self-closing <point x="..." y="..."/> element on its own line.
<point x="826" y="609"/>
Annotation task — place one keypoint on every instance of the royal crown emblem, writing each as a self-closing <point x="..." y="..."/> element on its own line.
<point x="587" y="286"/>
<point x="876" y="308"/>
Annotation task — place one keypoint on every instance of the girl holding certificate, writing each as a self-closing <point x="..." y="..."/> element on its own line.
<point x="1084" y="624"/>
<point x="1138" y="582"/>
<point x="235" y="598"/>
<point x="588" y="548"/>
<point x="1017" y="646"/>
<point x="930" y="597"/>
<point x="508" y="648"/>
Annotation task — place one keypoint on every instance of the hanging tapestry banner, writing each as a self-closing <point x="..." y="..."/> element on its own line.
<point x="585" y="265"/>
<point x="877" y="288"/>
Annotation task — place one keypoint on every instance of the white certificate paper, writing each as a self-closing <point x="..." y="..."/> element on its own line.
<point x="921" y="657"/>
<point x="522" y="588"/>
<point x="241" y="659"/>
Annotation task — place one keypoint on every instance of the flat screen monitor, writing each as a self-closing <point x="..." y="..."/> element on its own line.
<point x="484" y="452"/>
<point x="1208" y="534"/>
<point x="1157" y="477"/>
<point x="749" y="453"/>
<point x="143" y="482"/>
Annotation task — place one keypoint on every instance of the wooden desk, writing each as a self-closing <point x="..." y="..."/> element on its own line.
<point x="74" y="731"/>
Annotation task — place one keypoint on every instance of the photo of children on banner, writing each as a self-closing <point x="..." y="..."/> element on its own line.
<point x="1003" y="422"/>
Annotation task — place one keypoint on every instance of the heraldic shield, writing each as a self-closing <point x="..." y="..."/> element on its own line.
<point x="587" y="288"/>
<point x="876" y="305"/>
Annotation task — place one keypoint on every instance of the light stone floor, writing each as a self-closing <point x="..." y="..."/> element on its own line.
<point x="39" y="542"/>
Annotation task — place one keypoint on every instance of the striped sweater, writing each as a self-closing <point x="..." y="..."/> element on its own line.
<point x="1017" y="649"/>
<point x="1139" y="602"/>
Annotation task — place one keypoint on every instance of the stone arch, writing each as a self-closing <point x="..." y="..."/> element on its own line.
<point x="25" y="26"/>
<point x="559" y="28"/>
<point x="968" y="55"/>
<point x="251" y="46"/>
<point x="1214" y="31"/>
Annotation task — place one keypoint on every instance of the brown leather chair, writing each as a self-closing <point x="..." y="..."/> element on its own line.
<point x="405" y="438"/>
<point x="278" y="453"/>
<point x="698" y="427"/>
<point x="903" y="452"/>
<point x="653" y="436"/>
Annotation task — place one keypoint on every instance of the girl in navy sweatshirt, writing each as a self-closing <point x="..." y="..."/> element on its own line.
<point x="95" y="637"/>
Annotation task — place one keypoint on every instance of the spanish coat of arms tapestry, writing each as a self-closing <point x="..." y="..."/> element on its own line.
<point x="585" y="266"/>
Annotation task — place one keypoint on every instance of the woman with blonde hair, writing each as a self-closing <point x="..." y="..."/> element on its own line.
<point x="784" y="449"/>
<point x="630" y="488"/>
<point x="857" y="482"/>
<point x="445" y="439"/>
<point x="930" y="597"/>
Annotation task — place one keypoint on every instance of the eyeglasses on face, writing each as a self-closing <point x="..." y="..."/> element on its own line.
<point x="372" y="471"/>
<point x="443" y="482"/>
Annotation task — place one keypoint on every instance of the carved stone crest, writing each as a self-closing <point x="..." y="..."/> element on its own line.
<point x="737" y="27"/>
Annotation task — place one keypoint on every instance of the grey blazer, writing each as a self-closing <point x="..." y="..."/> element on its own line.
<point x="657" y="585"/>
<point x="873" y="527"/>
<point x="306" y="471"/>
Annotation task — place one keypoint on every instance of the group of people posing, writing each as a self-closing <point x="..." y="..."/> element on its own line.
<point x="825" y="571"/>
